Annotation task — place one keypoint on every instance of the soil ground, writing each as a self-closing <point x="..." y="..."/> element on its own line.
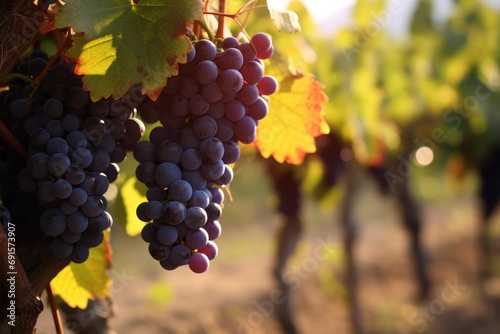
<point x="235" y="296"/>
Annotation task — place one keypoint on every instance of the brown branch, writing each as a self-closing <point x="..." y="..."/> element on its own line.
<point x="7" y="135"/>
<point x="55" y="311"/>
<point x="28" y="305"/>
<point x="220" y="26"/>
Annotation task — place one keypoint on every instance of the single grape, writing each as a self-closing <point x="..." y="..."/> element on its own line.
<point x="199" y="198"/>
<point x="252" y="72"/>
<point x="180" y="255"/>
<point x="245" y="129"/>
<point x="230" y="42"/>
<point x="206" y="71"/>
<point x="93" y="206"/>
<point x="213" y="171"/>
<point x="180" y="191"/>
<point x="159" y="251"/>
<point x="211" y="150"/>
<point x="248" y="94"/>
<point x="213" y="229"/>
<point x="53" y="108"/>
<point x="231" y="81"/>
<point x="261" y="42"/>
<point x="234" y="110"/>
<point x="225" y="129"/>
<point x="204" y="127"/>
<point x="196" y="239"/>
<point x="53" y="222"/>
<point x="214" y="211"/>
<point x="62" y="188"/>
<point x="199" y="263"/>
<point x="231" y="58"/>
<point x="39" y="138"/>
<point x="80" y="253"/>
<point x="210" y="250"/>
<point x="198" y="105"/>
<point x="232" y="152"/>
<point x="57" y="145"/>
<point x="153" y="210"/>
<point x="205" y="50"/>
<point x="212" y="93"/>
<point x="259" y="109"/>
<point x="167" y="235"/>
<point x="166" y="173"/>
<point x="191" y="159"/>
<point x="267" y="85"/>
<point x="174" y="212"/>
<point x="196" y="217"/>
<point x="60" y="248"/>
<point x="77" y="222"/>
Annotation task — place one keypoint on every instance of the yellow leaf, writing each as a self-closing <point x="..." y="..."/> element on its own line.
<point x="77" y="283"/>
<point x="131" y="199"/>
<point x="296" y="115"/>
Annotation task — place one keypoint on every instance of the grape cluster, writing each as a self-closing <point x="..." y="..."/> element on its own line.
<point x="214" y="103"/>
<point x="74" y="146"/>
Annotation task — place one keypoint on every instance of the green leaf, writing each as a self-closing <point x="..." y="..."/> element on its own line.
<point x="284" y="19"/>
<point x="77" y="283"/>
<point x="120" y="43"/>
<point x="126" y="204"/>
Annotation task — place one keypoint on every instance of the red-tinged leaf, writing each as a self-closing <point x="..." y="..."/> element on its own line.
<point x="124" y="43"/>
<point x="296" y="115"/>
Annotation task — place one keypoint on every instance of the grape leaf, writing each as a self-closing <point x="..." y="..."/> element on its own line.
<point x="295" y="115"/>
<point x="126" y="205"/>
<point x="77" y="283"/>
<point x="120" y="43"/>
<point x="284" y="19"/>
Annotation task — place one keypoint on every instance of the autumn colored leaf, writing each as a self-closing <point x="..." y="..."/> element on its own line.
<point x="79" y="282"/>
<point x="296" y="115"/>
<point x="121" y="43"/>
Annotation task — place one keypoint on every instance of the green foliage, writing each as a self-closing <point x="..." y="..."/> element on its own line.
<point x="122" y="43"/>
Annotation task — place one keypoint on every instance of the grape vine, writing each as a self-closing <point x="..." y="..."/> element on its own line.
<point x="64" y="137"/>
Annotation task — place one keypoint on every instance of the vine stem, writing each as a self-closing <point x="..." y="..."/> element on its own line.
<point x="220" y="26"/>
<point x="12" y="141"/>
<point x="26" y="301"/>
<point x="11" y="76"/>
<point x="64" y="46"/>
<point x="55" y="311"/>
<point x="205" y="27"/>
<point x="222" y="15"/>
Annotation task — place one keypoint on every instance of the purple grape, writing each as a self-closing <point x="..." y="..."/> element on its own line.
<point x="267" y="85"/>
<point x="231" y="58"/>
<point x="167" y="235"/>
<point x="180" y="191"/>
<point x="196" y="217"/>
<point x="196" y="239"/>
<point x="210" y="250"/>
<point x="206" y="71"/>
<point x="199" y="263"/>
<point x="231" y="81"/>
<point x="213" y="229"/>
<point x="180" y="255"/>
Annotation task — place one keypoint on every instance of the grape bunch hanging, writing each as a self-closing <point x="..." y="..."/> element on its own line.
<point x="215" y="102"/>
<point x="73" y="146"/>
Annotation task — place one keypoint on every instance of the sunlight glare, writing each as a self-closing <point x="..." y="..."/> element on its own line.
<point x="424" y="156"/>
